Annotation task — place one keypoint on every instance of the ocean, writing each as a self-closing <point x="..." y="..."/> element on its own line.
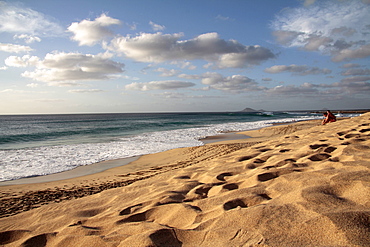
<point x="35" y="145"/>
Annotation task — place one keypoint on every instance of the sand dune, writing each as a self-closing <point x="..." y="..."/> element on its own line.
<point x="291" y="185"/>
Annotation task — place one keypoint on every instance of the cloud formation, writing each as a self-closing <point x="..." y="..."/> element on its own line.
<point x="86" y="91"/>
<point x="352" y="86"/>
<point x="158" y="47"/>
<point x="234" y="83"/>
<point x="337" y="28"/>
<point x="158" y="85"/>
<point x="68" y="67"/>
<point x="156" y="27"/>
<point x="297" y="70"/>
<point x="12" y="48"/>
<point x="167" y="72"/>
<point x="27" y="38"/>
<point x="89" y="32"/>
<point x="16" y="19"/>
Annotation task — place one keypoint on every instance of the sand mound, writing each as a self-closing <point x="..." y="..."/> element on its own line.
<point x="307" y="187"/>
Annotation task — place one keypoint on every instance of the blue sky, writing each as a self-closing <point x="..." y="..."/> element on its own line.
<point x="169" y="55"/>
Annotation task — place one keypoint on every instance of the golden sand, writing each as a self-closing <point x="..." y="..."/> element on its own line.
<point x="302" y="184"/>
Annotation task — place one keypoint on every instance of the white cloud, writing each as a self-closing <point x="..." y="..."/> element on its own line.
<point x="12" y="48"/>
<point x="190" y="77"/>
<point x="223" y="18"/>
<point x="338" y="28"/>
<point x="25" y="61"/>
<point x="293" y="91"/>
<point x="158" y="47"/>
<point x="89" y="32"/>
<point x="4" y="68"/>
<point x="33" y="85"/>
<point x="27" y="38"/>
<point x="297" y="69"/>
<point x="68" y="67"/>
<point x="156" y="27"/>
<point x="158" y="85"/>
<point x="86" y="91"/>
<point x="167" y="72"/>
<point x="234" y="83"/>
<point x="17" y="19"/>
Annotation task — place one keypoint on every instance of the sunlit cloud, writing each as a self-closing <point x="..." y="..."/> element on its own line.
<point x="24" y="61"/>
<point x="306" y="89"/>
<point x="297" y="70"/>
<point x="234" y="83"/>
<point x="336" y="28"/>
<point x="86" y="91"/>
<point x="167" y="72"/>
<point x="64" y="67"/>
<point x="89" y="32"/>
<point x="158" y="85"/>
<point x="156" y="27"/>
<point x="15" y="18"/>
<point x="12" y="48"/>
<point x="158" y="47"/>
<point x="32" y="85"/>
<point x="27" y="38"/>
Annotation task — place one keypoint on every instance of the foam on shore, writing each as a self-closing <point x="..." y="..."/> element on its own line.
<point x="292" y="185"/>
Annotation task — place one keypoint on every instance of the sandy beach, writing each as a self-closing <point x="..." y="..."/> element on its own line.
<point x="302" y="184"/>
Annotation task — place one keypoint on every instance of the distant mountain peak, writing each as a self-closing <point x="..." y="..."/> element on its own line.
<point x="249" y="110"/>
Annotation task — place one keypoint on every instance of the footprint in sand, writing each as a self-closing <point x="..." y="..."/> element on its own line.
<point x="248" y="157"/>
<point x="330" y="149"/>
<point x="39" y="240"/>
<point x="222" y="176"/>
<point x="234" y="204"/>
<point x="316" y="146"/>
<point x="131" y="209"/>
<point x="134" y="218"/>
<point x="352" y="136"/>
<point x="12" y="236"/>
<point x="267" y="176"/>
<point x="319" y="157"/>
<point x="249" y="201"/>
<point x="364" y="130"/>
<point x="230" y="186"/>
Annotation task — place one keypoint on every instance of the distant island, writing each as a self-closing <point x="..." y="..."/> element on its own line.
<point x="252" y="110"/>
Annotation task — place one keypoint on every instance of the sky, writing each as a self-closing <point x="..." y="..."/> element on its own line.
<point x="122" y="56"/>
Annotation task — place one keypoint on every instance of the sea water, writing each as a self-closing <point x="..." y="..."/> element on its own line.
<point x="34" y="145"/>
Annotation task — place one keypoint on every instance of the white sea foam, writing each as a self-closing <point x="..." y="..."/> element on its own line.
<point x="20" y="163"/>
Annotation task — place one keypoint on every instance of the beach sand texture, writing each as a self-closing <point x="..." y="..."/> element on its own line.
<point x="292" y="185"/>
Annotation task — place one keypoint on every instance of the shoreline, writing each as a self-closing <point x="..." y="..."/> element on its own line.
<point x="108" y="164"/>
<point x="142" y="167"/>
<point x="304" y="181"/>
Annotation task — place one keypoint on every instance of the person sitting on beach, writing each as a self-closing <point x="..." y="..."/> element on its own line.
<point x="329" y="117"/>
